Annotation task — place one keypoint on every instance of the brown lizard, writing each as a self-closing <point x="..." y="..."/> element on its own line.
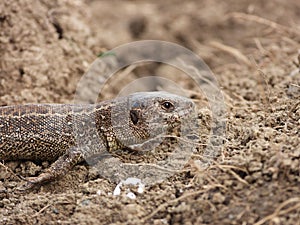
<point x="69" y="133"/>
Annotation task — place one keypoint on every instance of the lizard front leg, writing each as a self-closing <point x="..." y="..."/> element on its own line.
<point x="59" y="168"/>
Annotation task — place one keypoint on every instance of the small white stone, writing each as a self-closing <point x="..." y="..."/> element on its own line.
<point x="141" y="188"/>
<point x="117" y="190"/>
<point x="131" y="195"/>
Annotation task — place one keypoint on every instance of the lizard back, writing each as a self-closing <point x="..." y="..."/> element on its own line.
<point x="39" y="131"/>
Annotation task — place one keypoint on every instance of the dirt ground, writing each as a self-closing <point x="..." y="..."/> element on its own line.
<point x="252" y="48"/>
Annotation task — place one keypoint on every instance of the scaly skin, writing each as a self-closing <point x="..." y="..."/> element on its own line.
<point x="67" y="134"/>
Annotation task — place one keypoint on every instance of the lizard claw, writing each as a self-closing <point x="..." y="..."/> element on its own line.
<point x="26" y="186"/>
<point x="33" y="181"/>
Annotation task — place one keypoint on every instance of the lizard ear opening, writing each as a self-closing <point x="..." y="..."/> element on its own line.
<point x="134" y="116"/>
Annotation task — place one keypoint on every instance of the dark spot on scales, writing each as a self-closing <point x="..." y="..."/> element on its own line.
<point x="134" y="116"/>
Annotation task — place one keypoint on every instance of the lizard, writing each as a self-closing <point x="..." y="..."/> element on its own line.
<point x="66" y="134"/>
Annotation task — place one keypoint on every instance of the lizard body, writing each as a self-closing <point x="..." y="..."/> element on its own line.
<point x="68" y="133"/>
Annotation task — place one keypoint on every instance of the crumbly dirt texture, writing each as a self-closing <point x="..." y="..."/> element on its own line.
<point x="252" y="48"/>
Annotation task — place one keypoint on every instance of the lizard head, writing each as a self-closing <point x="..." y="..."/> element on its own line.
<point x="152" y="114"/>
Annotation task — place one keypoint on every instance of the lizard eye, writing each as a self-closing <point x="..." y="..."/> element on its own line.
<point x="168" y="106"/>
